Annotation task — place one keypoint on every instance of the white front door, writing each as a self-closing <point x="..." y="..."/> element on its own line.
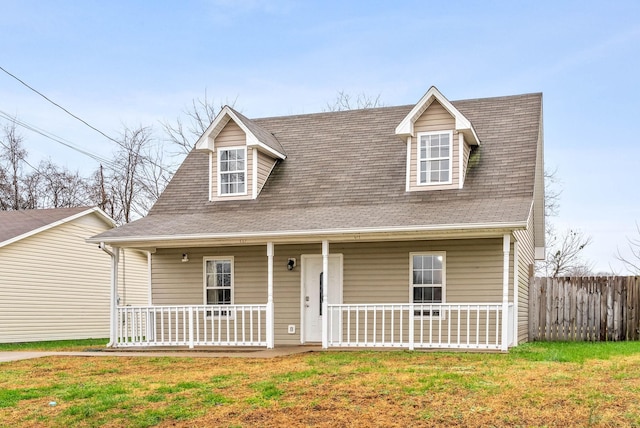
<point x="312" y="279"/>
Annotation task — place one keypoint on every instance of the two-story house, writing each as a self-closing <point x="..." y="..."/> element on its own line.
<point x="412" y="226"/>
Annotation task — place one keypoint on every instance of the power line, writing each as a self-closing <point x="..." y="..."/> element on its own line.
<point x="58" y="139"/>
<point x="59" y="106"/>
<point x="161" y="167"/>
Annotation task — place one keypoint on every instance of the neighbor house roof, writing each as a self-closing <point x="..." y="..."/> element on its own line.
<point x="20" y="224"/>
<point x="345" y="171"/>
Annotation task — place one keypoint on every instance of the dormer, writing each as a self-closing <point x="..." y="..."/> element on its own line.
<point x="242" y="155"/>
<point x="439" y="141"/>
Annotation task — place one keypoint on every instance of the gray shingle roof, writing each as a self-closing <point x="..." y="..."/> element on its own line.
<point x="261" y="134"/>
<point x="346" y="170"/>
<point x="16" y="223"/>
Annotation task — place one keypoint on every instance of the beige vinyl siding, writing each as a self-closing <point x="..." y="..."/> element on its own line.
<point x="54" y="286"/>
<point x="231" y="136"/>
<point x="465" y="159"/>
<point x="265" y="165"/>
<point x="133" y="278"/>
<point x="526" y="256"/>
<point x="372" y="273"/>
<point x="435" y="118"/>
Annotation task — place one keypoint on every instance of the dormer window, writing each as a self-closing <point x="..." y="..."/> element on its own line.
<point x="232" y="171"/>
<point x="434" y="157"/>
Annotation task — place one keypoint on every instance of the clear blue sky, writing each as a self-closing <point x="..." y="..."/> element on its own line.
<point x="118" y="63"/>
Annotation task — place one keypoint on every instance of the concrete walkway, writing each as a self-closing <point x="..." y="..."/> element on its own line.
<point x="222" y="353"/>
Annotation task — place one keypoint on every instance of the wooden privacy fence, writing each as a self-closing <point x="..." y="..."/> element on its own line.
<point x="584" y="308"/>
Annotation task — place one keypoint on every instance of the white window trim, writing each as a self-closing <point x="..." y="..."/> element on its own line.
<point x="420" y="134"/>
<point x="444" y="277"/>
<point x="219" y="175"/>
<point x="204" y="280"/>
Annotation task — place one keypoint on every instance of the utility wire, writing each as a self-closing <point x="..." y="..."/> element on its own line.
<point x="59" y="106"/>
<point x="58" y="139"/>
<point x="161" y="167"/>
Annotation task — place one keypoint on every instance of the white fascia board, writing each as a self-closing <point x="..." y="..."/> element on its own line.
<point x="204" y="142"/>
<point x="252" y="140"/>
<point x="207" y="140"/>
<point x="320" y="233"/>
<point x="462" y="123"/>
<point x="96" y="210"/>
<point x="264" y="147"/>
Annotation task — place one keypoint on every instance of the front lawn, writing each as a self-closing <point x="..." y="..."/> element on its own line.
<point x="539" y="384"/>
<point x="57" y="345"/>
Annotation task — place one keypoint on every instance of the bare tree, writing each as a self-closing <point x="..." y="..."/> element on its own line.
<point x="564" y="249"/>
<point x="345" y="101"/>
<point x="5" y="190"/>
<point x="13" y="154"/>
<point x="632" y="261"/>
<point x="60" y="187"/>
<point x="564" y="258"/>
<point x="128" y="188"/>
<point x="552" y="192"/>
<point x="198" y="117"/>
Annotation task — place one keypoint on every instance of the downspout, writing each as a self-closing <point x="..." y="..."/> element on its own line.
<point x="113" y="294"/>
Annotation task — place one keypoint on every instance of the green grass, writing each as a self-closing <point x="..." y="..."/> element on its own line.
<point x="536" y="384"/>
<point x="56" y="345"/>
<point x="573" y="352"/>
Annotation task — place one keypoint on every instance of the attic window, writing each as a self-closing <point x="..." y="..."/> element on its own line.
<point x="232" y="171"/>
<point x="434" y="157"/>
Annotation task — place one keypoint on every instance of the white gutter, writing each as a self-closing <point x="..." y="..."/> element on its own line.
<point x="113" y="294"/>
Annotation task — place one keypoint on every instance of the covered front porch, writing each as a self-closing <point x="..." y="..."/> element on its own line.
<point x="332" y="312"/>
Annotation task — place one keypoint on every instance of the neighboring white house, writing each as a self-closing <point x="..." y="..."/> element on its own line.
<point x="53" y="284"/>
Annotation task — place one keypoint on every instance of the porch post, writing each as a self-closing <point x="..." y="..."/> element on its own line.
<point x="270" y="309"/>
<point x="113" y="293"/>
<point x="506" y="246"/>
<point x="325" y="300"/>
<point x="516" y="291"/>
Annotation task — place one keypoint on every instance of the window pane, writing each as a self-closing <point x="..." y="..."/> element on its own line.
<point x="437" y="294"/>
<point x="437" y="262"/>
<point x="211" y="280"/>
<point x="444" y="139"/>
<point x="428" y="262"/>
<point x="437" y="277"/>
<point x="427" y="277"/>
<point x="444" y="151"/>
<point x="417" y="277"/>
<point x="224" y="156"/>
<point x="417" y="262"/>
<point x="225" y="267"/>
<point x="211" y="297"/>
<point x="417" y="294"/>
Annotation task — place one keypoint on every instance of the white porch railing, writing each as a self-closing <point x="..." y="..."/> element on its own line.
<point x="448" y="326"/>
<point x="199" y="325"/>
